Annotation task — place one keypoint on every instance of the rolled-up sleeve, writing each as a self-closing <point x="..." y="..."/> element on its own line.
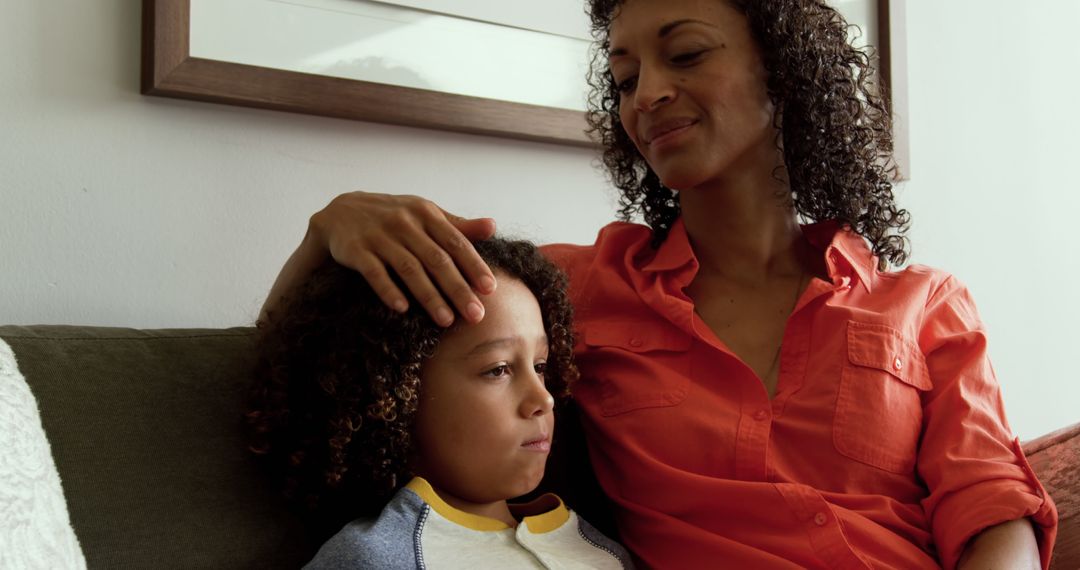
<point x="973" y="466"/>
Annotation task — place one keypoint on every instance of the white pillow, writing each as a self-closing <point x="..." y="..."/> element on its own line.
<point x="35" y="529"/>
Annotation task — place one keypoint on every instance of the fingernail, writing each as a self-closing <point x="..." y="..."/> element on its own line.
<point x="444" y="317"/>
<point x="475" y="311"/>
<point x="487" y="285"/>
<point x="401" y="306"/>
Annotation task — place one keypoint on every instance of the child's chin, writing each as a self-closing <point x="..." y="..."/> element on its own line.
<point x="528" y="483"/>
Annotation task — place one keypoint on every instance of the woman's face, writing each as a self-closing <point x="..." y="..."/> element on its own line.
<point x="692" y="90"/>
<point x="484" y="426"/>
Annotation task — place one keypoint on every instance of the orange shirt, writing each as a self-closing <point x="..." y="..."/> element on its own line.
<point x="885" y="445"/>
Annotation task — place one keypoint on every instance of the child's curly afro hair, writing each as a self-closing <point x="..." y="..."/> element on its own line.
<point x="337" y="381"/>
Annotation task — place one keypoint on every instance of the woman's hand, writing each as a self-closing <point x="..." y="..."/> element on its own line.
<point x="428" y="248"/>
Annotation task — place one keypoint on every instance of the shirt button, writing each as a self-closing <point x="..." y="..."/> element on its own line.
<point x="898" y="364"/>
<point x="636" y="342"/>
<point x="820" y="519"/>
<point x="761" y="415"/>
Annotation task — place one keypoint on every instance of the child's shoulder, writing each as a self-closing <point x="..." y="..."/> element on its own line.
<point x="602" y="542"/>
<point x="381" y="542"/>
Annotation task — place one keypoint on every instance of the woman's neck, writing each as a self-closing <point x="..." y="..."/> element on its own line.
<point x="744" y="228"/>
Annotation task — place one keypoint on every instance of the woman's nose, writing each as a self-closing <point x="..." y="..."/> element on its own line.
<point x="654" y="88"/>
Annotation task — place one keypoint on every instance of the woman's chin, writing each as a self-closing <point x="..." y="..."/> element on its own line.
<point x="680" y="173"/>
<point x="679" y="180"/>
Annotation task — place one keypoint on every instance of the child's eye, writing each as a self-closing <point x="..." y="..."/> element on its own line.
<point x="540" y="368"/>
<point x="499" y="371"/>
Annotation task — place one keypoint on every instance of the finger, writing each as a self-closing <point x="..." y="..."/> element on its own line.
<point x="456" y="239"/>
<point x="374" y="272"/>
<point x="443" y="268"/>
<point x="475" y="229"/>
<point x="355" y="255"/>
<point x="413" y="273"/>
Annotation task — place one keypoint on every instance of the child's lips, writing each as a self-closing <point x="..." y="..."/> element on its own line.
<point x="542" y="444"/>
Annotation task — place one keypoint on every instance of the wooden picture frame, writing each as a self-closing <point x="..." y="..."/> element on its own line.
<point x="892" y="62"/>
<point x="169" y="70"/>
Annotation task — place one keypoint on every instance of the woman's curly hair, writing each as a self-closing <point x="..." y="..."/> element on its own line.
<point x="833" y="124"/>
<point x="337" y="382"/>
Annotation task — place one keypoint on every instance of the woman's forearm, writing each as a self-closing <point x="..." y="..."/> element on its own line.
<point x="1010" y="545"/>
<point x="309" y="255"/>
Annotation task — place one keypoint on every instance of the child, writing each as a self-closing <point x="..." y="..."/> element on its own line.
<point x="369" y="409"/>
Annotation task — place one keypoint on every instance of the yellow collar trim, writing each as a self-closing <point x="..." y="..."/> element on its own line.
<point x="549" y="521"/>
<point x="421" y="487"/>
<point x="542" y="523"/>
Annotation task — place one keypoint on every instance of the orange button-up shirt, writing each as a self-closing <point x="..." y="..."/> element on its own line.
<point x="884" y="446"/>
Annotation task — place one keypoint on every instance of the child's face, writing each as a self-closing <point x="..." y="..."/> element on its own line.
<point x="485" y="423"/>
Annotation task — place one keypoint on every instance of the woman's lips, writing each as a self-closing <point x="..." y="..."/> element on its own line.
<point x="667" y="130"/>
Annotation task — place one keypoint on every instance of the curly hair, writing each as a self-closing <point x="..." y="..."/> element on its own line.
<point x="833" y="125"/>
<point x="337" y="381"/>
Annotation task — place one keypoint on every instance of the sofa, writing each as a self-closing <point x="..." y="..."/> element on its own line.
<point x="146" y="432"/>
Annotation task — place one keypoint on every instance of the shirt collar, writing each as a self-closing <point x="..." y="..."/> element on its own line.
<point x="674" y="253"/>
<point x="425" y="491"/>
<point x="541" y="515"/>
<point x="846" y="252"/>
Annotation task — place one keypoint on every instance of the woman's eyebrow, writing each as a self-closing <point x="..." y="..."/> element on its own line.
<point x="664" y="31"/>
<point x="667" y="28"/>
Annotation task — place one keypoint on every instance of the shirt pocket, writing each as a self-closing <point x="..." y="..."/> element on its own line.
<point x="637" y="365"/>
<point x="879" y="405"/>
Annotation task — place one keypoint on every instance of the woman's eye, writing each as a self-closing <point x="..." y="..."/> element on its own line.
<point x="687" y="57"/>
<point x="540" y="368"/>
<point x="499" y="371"/>
<point x="626" y="85"/>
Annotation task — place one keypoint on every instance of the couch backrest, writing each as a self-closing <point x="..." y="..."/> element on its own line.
<point x="146" y="432"/>
<point x="1055" y="458"/>
<point x="147" y="435"/>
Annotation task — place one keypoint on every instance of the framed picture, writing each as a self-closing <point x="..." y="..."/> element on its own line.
<point x="470" y="67"/>
<point x="493" y="67"/>
<point x="882" y="26"/>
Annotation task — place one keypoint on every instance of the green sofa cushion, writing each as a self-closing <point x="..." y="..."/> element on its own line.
<point x="147" y="434"/>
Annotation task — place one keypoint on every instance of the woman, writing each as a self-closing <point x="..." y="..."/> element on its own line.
<point x="755" y="393"/>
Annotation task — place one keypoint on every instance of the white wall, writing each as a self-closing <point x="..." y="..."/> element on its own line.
<point x="995" y="139"/>
<point x="119" y="209"/>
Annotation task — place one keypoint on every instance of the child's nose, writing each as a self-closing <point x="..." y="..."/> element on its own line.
<point x="537" y="401"/>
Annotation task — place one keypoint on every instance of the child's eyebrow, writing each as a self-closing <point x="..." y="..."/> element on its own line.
<point x="503" y="341"/>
